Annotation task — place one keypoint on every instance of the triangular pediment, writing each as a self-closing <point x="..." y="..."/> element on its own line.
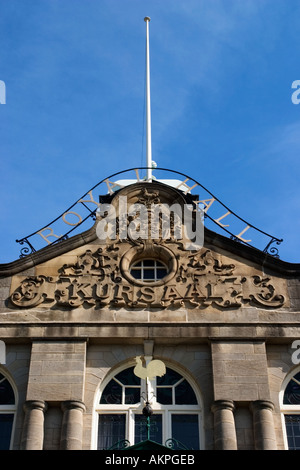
<point x="95" y="272"/>
<point x="148" y="445"/>
<point x="147" y="194"/>
<point x="98" y="273"/>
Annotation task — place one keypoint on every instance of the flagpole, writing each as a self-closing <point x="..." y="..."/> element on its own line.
<point x="148" y="104"/>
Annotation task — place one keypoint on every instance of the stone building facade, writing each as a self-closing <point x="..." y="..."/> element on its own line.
<point x="79" y="316"/>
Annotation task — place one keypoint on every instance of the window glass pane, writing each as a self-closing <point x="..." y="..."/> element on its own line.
<point x="149" y="274"/>
<point x="185" y="429"/>
<point x="141" y="428"/>
<point x="136" y="273"/>
<point x="148" y="262"/>
<point x="127" y="377"/>
<point x="292" y="392"/>
<point x="164" y="395"/>
<point x="184" y="394"/>
<point x="170" y="378"/>
<point x="7" y="396"/>
<point x="111" y="430"/>
<point x="6" y="422"/>
<point x="148" y="270"/>
<point x="160" y="273"/>
<point x="112" y="394"/>
<point x="132" y="395"/>
<point x="292" y="423"/>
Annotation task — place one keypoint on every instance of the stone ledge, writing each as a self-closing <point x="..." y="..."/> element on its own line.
<point x="133" y="331"/>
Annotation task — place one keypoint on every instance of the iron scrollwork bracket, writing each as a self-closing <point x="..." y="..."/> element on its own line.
<point x="120" y="445"/>
<point x="26" y="250"/>
<point x="175" y="444"/>
<point x="272" y="250"/>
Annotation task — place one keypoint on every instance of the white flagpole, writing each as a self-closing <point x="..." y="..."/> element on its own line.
<point x="148" y="107"/>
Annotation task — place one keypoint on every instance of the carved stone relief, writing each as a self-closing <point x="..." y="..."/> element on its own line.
<point x="201" y="280"/>
<point x="101" y="277"/>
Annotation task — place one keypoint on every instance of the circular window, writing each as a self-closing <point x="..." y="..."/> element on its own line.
<point x="153" y="265"/>
<point x="148" y="270"/>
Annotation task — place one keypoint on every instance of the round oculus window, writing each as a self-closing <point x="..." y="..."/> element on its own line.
<point x="153" y="265"/>
<point x="148" y="270"/>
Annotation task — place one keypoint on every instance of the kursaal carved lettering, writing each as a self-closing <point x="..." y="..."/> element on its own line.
<point x="96" y="280"/>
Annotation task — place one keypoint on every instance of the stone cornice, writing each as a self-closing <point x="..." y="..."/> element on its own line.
<point x="47" y="253"/>
<point x="254" y="255"/>
<point x="136" y="332"/>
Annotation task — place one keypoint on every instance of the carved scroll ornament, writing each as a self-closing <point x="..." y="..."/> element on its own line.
<point x="32" y="291"/>
<point x="96" y="280"/>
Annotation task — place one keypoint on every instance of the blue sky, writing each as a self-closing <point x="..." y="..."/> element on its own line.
<point x="221" y="77"/>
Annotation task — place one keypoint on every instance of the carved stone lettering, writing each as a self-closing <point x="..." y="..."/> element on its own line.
<point x="96" y="280"/>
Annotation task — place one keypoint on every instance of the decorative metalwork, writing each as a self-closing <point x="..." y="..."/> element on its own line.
<point x="120" y="445"/>
<point x="292" y="391"/>
<point x="171" y="443"/>
<point x="148" y="412"/>
<point x="82" y="211"/>
<point x="272" y="250"/>
<point x="26" y="250"/>
<point x="174" y="444"/>
<point x="292" y="419"/>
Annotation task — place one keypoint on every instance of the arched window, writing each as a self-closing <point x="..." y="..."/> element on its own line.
<point x="176" y="410"/>
<point x="7" y="412"/>
<point x="290" y="407"/>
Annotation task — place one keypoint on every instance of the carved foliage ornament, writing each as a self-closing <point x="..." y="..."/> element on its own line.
<point x="96" y="280"/>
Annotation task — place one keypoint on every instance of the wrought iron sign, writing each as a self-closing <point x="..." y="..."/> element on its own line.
<point x="218" y="217"/>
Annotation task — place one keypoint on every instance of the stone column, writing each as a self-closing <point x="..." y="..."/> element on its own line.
<point x="33" y="428"/>
<point x="263" y="424"/>
<point x="224" y="425"/>
<point x="72" y="425"/>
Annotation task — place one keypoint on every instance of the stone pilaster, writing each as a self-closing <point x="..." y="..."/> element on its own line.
<point x="57" y="370"/>
<point x="33" y="427"/>
<point x="72" y="425"/>
<point x="263" y="424"/>
<point x="224" y="425"/>
<point x="240" y="370"/>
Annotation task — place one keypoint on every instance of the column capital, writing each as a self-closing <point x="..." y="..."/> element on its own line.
<point x="35" y="405"/>
<point x="223" y="405"/>
<point x="261" y="405"/>
<point x="73" y="404"/>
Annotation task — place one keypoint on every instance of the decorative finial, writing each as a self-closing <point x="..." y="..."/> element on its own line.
<point x="147" y="410"/>
<point x="146" y="18"/>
